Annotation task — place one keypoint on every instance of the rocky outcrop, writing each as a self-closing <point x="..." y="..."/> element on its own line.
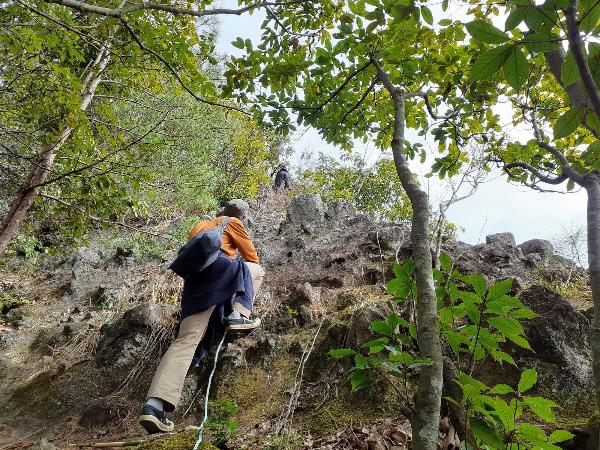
<point x="326" y="268"/>
<point x="560" y="352"/>
<point x="305" y="211"/>
<point x="122" y="340"/>
<point x="305" y="300"/>
<point x="541" y="247"/>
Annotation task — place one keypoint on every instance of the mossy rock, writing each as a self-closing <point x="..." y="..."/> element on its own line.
<point x="180" y="441"/>
<point x="594" y="431"/>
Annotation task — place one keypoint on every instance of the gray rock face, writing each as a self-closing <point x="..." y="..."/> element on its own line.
<point x="306" y="300"/>
<point x="542" y="247"/>
<point x="390" y="238"/>
<point x="84" y="284"/>
<point x="560" y="352"/>
<point x="50" y="338"/>
<point x="340" y="211"/>
<point x="559" y="335"/>
<point x="500" y="238"/>
<point x="123" y="340"/>
<point x="305" y="210"/>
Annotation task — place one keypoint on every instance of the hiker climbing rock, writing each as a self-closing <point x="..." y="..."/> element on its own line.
<point x="217" y="288"/>
<point x="282" y="177"/>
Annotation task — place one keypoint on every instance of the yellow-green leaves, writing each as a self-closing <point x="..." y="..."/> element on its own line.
<point x="591" y="156"/>
<point x="426" y="14"/>
<point x="485" y="32"/>
<point x="568" y="122"/>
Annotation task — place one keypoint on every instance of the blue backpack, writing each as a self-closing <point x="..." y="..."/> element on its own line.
<point x="200" y="251"/>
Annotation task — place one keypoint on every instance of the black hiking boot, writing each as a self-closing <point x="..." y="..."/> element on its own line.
<point x="241" y="324"/>
<point x="155" y="421"/>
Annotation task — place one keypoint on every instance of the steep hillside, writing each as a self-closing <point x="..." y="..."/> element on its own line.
<point x="85" y="332"/>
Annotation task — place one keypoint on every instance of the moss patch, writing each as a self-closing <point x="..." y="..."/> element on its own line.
<point x="363" y="408"/>
<point x="258" y="392"/>
<point x="180" y="441"/>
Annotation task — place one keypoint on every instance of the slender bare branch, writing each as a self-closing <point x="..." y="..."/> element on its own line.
<point x="171" y="69"/>
<point x="335" y="93"/>
<point x="120" y="12"/>
<point x="544" y="178"/>
<point x="360" y="101"/>
<point x="99" y="219"/>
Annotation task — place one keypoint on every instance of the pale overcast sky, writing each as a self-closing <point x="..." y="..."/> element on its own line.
<point x="496" y="207"/>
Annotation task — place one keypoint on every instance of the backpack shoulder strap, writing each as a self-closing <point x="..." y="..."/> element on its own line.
<point x="223" y="224"/>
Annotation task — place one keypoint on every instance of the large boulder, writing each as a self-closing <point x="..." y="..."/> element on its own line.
<point x="500" y="239"/>
<point x="541" y="247"/>
<point x="560" y="352"/>
<point x="305" y="210"/>
<point x="123" y="340"/>
<point x="84" y="271"/>
<point x="340" y="211"/>
<point x="559" y="337"/>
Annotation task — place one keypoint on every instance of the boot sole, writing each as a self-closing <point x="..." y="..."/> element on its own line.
<point x="153" y="425"/>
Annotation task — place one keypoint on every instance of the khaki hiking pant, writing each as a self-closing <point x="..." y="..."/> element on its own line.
<point x="170" y="375"/>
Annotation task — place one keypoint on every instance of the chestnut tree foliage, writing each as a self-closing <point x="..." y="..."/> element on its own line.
<point x="373" y="68"/>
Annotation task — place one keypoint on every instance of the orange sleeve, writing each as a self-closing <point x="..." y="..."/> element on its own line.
<point x="241" y="240"/>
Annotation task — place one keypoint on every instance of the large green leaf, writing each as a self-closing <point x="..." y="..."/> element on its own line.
<point x="489" y="63"/>
<point x="591" y="156"/>
<point x="485" y="32"/>
<point x="569" y="73"/>
<point x="542" y="408"/>
<point x="560" y="436"/>
<point x="485" y="434"/>
<point x="499" y="289"/>
<point x="445" y="262"/>
<point x="541" y="42"/>
<point x="527" y="381"/>
<point x="501" y="389"/>
<point x="589" y="14"/>
<point x="516" y="68"/>
<point x="515" y="18"/>
<point x="568" y="122"/>
<point x="427" y="15"/>
<point x="339" y="353"/>
<point x="477" y="281"/>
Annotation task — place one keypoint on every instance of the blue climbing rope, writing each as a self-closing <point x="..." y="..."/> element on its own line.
<point x="201" y="427"/>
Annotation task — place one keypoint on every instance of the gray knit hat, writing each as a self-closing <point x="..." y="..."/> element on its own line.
<point x="237" y="208"/>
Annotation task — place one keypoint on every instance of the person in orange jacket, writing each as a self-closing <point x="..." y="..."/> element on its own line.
<point x="165" y="391"/>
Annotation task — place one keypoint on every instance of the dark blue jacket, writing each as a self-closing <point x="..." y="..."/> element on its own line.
<point x="216" y="285"/>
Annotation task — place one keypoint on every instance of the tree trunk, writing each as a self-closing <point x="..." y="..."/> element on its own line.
<point x="425" y="422"/>
<point x="592" y="186"/>
<point x="439" y="235"/>
<point x="24" y="200"/>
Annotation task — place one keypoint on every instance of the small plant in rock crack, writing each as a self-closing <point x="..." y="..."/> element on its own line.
<point x="223" y="421"/>
<point x="475" y="321"/>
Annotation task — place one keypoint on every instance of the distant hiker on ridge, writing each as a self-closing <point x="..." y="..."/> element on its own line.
<point x="224" y="289"/>
<point x="282" y="177"/>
